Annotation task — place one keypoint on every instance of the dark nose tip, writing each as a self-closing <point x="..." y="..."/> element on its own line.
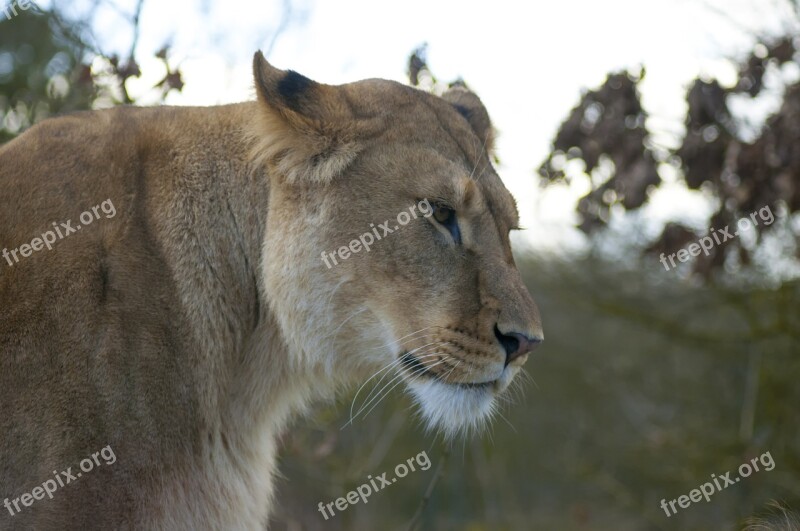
<point x="515" y="344"/>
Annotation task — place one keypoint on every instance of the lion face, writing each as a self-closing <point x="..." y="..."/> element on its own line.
<point x="387" y="251"/>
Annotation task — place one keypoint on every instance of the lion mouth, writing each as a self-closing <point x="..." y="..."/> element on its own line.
<point x="417" y="369"/>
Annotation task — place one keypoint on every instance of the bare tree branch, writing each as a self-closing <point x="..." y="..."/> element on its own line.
<point x="286" y="18"/>
<point x="728" y="18"/>
<point x="429" y="492"/>
<point x="136" y="28"/>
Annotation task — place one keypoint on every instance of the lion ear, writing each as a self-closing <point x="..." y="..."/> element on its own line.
<point x="469" y="105"/>
<point x="304" y="130"/>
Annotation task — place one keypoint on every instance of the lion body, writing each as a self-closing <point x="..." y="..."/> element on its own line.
<point x="137" y="331"/>
<point x="185" y="331"/>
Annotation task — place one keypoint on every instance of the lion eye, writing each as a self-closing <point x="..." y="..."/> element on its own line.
<point x="446" y="217"/>
<point x="443" y="215"/>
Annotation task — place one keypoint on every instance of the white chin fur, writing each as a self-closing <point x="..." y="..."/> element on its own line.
<point x="452" y="409"/>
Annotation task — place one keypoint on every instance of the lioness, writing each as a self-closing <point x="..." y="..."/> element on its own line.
<point x="184" y="332"/>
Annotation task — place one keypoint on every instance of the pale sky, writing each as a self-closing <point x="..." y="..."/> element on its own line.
<point x="527" y="62"/>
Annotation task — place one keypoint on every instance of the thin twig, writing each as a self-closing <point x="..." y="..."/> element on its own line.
<point x="429" y="492"/>
<point x="286" y="17"/>
<point x="134" y="43"/>
<point x="729" y="19"/>
<point x="135" y="20"/>
<point x="80" y="36"/>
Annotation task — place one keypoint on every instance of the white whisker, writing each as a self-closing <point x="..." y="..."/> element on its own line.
<point x="399" y="375"/>
<point x="480" y="156"/>
<point x="392" y="364"/>
<point x="418" y="373"/>
<point x="399" y="360"/>
<point x="336" y="332"/>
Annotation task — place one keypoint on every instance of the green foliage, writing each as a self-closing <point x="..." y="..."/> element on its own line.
<point x="41" y="72"/>
<point x="48" y="67"/>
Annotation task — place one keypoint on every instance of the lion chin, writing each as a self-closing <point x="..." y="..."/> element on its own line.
<point x="458" y="410"/>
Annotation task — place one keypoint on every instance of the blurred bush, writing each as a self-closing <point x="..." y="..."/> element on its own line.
<point x="49" y="66"/>
<point x="742" y="168"/>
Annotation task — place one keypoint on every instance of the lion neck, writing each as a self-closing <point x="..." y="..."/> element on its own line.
<point x="246" y="385"/>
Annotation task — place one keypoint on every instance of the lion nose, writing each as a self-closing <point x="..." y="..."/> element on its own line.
<point x="515" y="344"/>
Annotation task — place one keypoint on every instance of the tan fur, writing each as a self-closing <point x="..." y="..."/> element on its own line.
<point x="188" y="329"/>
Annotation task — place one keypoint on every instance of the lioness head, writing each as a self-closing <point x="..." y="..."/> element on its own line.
<point x="387" y="244"/>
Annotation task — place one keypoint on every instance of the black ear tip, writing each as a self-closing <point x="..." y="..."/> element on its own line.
<point x="292" y="87"/>
<point x="463" y="110"/>
<point x="469" y="105"/>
